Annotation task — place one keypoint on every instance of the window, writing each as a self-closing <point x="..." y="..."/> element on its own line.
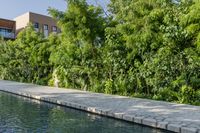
<point x="45" y="27"/>
<point x="46" y="30"/>
<point x="7" y="33"/>
<point x="36" y="26"/>
<point x="54" y="29"/>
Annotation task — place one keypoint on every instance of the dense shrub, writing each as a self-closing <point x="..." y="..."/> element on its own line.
<point x="143" y="48"/>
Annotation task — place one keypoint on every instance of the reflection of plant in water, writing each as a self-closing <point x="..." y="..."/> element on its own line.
<point x="57" y="120"/>
<point x="93" y="117"/>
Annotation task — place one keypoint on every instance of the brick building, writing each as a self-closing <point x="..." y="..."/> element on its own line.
<point x="7" y="28"/>
<point x="45" y="24"/>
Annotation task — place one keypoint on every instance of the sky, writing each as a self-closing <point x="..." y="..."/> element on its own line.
<point x="9" y="9"/>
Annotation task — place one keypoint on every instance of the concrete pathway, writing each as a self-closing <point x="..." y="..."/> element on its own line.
<point x="174" y="117"/>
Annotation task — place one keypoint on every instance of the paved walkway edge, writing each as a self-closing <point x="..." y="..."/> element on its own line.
<point x="131" y="118"/>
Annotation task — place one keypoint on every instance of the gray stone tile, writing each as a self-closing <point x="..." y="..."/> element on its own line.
<point x="174" y="128"/>
<point x="162" y="125"/>
<point x="188" y="130"/>
<point x="118" y="115"/>
<point x="138" y="119"/>
<point x="149" y="122"/>
<point x="128" y="118"/>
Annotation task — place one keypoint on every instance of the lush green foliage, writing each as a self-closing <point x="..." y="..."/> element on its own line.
<point x="144" y="48"/>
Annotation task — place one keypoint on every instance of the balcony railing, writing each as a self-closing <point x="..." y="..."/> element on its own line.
<point x="9" y="35"/>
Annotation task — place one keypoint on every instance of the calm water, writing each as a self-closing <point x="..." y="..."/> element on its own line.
<point x="21" y="115"/>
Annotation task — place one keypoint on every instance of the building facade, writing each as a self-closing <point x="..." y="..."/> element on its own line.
<point x="7" y="29"/>
<point x="41" y="23"/>
<point x="44" y="24"/>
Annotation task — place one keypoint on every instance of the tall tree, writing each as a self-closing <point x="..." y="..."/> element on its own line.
<point x="82" y="27"/>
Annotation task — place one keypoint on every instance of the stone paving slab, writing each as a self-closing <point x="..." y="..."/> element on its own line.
<point x="170" y="116"/>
